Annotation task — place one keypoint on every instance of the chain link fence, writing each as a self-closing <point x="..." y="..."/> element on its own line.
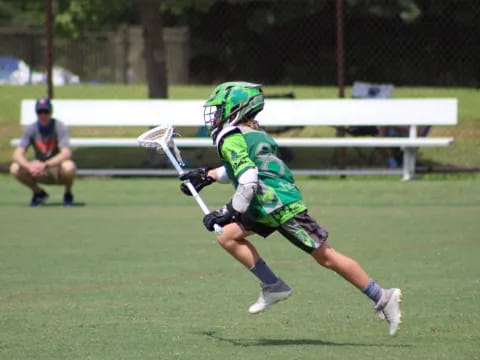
<point x="403" y="42"/>
<point x="93" y="57"/>
<point x="435" y="43"/>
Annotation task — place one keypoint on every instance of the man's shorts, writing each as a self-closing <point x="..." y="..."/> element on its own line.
<point x="51" y="175"/>
<point x="302" y="230"/>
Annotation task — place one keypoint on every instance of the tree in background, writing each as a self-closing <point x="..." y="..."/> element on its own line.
<point x="76" y="16"/>
<point x="151" y="21"/>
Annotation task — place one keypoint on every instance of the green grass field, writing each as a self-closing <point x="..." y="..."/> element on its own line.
<point x="464" y="152"/>
<point x="132" y="274"/>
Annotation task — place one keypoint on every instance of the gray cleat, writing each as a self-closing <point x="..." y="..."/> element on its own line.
<point x="269" y="295"/>
<point x="388" y="308"/>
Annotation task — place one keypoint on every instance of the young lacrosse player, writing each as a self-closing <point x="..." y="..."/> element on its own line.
<point x="266" y="200"/>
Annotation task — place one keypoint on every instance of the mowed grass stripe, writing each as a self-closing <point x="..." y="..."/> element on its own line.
<point x="173" y="277"/>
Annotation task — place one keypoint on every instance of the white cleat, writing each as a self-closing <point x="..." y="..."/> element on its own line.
<point x="269" y="295"/>
<point x="388" y="308"/>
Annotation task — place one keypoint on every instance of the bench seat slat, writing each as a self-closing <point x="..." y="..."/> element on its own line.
<point x="277" y="112"/>
<point x="283" y="141"/>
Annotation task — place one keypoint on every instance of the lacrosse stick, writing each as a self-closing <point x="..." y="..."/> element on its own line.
<point x="160" y="138"/>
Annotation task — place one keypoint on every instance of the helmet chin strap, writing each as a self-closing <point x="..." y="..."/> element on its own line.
<point x="217" y="130"/>
<point x="236" y="120"/>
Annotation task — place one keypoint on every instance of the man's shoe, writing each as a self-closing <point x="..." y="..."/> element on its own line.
<point x="39" y="198"/>
<point x="67" y="199"/>
<point x="269" y="295"/>
<point x="388" y="308"/>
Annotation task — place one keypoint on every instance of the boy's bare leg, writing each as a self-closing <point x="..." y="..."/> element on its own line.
<point x="233" y="241"/>
<point x="386" y="300"/>
<point x="346" y="267"/>
<point x="273" y="289"/>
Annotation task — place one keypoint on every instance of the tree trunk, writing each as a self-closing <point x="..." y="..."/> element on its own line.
<point x="154" y="48"/>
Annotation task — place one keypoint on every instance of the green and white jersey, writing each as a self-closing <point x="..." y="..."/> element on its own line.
<point x="242" y="148"/>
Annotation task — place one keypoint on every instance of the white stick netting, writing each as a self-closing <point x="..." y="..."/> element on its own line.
<point x="156" y="137"/>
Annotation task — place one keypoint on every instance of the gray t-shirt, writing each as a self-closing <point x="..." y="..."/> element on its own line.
<point x="46" y="142"/>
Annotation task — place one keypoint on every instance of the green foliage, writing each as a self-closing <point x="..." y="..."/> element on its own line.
<point x="76" y="16"/>
<point x="7" y="10"/>
<point x="407" y="10"/>
<point x="22" y="12"/>
<point x="178" y="7"/>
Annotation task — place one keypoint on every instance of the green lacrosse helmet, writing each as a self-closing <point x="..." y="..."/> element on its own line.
<point x="232" y="103"/>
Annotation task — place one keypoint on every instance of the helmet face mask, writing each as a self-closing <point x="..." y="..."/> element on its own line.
<point x="232" y="103"/>
<point x="212" y="116"/>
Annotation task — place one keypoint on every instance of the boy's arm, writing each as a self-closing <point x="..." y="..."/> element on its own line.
<point x="234" y="151"/>
<point x="199" y="178"/>
<point x="219" y="175"/>
<point x="202" y="177"/>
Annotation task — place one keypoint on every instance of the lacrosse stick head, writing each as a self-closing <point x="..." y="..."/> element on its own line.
<point x="159" y="136"/>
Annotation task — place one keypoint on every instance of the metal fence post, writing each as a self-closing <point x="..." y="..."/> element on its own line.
<point x="49" y="48"/>
<point x="340" y="132"/>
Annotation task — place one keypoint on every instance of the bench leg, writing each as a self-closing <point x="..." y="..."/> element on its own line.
<point x="409" y="155"/>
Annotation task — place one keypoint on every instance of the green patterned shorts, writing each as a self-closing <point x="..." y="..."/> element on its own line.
<point x="302" y="231"/>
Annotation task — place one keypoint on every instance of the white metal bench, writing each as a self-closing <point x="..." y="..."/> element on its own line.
<point x="338" y="112"/>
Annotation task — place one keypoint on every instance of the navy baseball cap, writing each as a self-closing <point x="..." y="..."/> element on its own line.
<point x="43" y="104"/>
